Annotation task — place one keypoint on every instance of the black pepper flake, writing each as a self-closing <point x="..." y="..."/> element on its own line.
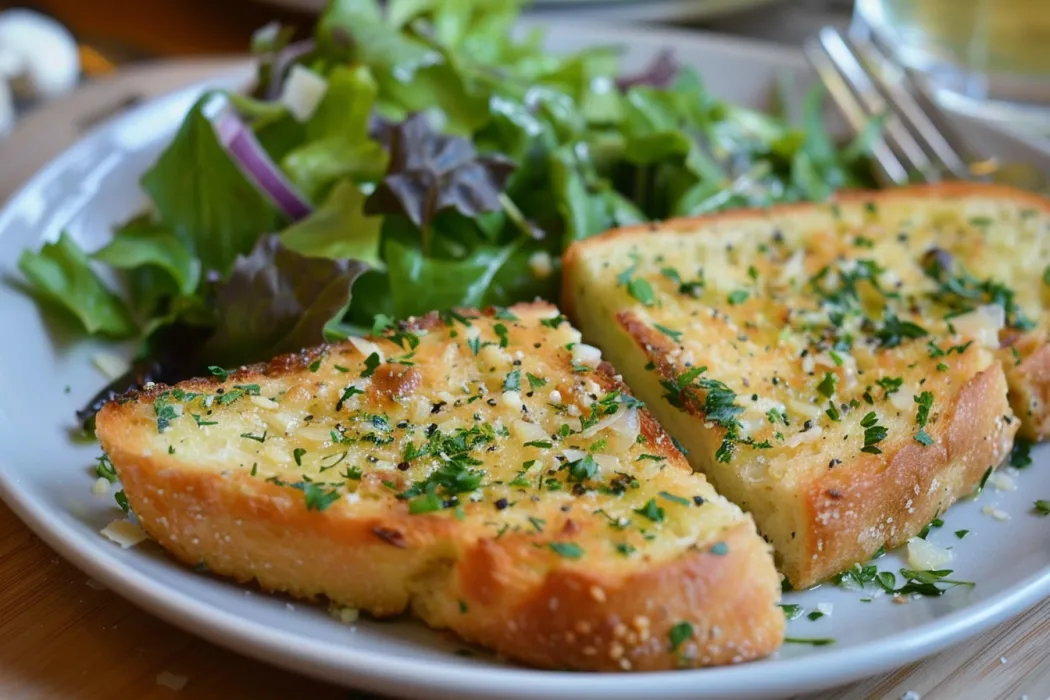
<point x="436" y="408"/>
<point x="501" y="504"/>
<point x="834" y="463"/>
<point x="698" y="500"/>
<point x="808" y="425"/>
<point x="403" y="466"/>
<point x="537" y="345"/>
<point x="431" y="429"/>
<point x="491" y="402"/>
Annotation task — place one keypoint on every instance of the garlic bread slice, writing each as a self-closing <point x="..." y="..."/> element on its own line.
<point x="484" y="472"/>
<point x="839" y="370"/>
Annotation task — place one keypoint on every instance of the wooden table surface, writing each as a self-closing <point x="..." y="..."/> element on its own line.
<point x="61" y="637"/>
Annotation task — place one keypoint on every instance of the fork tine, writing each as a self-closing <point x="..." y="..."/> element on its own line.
<point x="893" y="82"/>
<point x="896" y="133"/>
<point x="887" y="161"/>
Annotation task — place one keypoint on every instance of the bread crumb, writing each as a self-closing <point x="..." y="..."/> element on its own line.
<point x="172" y="680"/>
<point x="124" y="532"/>
<point x="100" y="487"/>
<point x="995" y="513"/>
<point x="346" y="615"/>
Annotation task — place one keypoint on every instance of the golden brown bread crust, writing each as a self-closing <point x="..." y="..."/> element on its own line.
<point x="841" y="515"/>
<point x="847" y="514"/>
<point x="1029" y="383"/>
<point x="503" y="592"/>
<point x="883" y="500"/>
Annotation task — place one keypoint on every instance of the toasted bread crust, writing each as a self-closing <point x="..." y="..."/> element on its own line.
<point x="883" y="500"/>
<point x="827" y="516"/>
<point x="1029" y="383"/>
<point x="602" y="613"/>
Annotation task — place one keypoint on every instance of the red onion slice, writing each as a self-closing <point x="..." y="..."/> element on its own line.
<point x="239" y="141"/>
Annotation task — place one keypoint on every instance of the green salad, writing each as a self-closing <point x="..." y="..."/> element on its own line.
<point x="406" y="158"/>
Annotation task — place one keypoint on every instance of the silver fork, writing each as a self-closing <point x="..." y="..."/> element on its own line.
<point x="916" y="140"/>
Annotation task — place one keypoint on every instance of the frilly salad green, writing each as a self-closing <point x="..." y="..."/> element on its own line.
<point x="408" y="159"/>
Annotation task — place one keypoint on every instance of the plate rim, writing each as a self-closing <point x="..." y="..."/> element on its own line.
<point x="376" y="671"/>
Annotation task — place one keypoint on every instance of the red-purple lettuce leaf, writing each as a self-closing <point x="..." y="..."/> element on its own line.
<point x="277" y="301"/>
<point x="430" y="171"/>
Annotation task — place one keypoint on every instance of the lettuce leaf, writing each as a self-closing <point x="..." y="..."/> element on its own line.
<point x="337" y="144"/>
<point x="339" y="229"/>
<point x="277" y="301"/>
<point x="61" y="275"/>
<point x="201" y="195"/>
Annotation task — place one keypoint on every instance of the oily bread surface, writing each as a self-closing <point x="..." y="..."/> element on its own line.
<point x="581" y="550"/>
<point x="773" y="302"/>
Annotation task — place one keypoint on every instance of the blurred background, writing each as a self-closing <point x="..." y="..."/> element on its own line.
<point x="990" y="57"/>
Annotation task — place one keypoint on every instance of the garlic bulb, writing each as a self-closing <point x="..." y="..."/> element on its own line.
<point x="38" y="56"/>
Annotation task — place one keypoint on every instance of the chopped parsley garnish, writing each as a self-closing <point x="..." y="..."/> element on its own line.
<point x="624" y="549"/>
<point x="651" y="511"/>
<point x="505" y="314"/>
<point x="674" y="499"/>
<point x="814" y="641"/>
<point x="679" y="634"/>
<point x="534" y="381"/>
<point x="542" y="444"/>
<point x="257" y="438"/>
<point x="566" y="550"/>
<point x="890" y="385"/>
<point x="347" y="393"/>
<point x="1021" y="454"/>
<point x="165" y="410"/>
<point x="219" y="372"/>
<point x="1042" y="508"/>
<point x="873" y="433"/>
<point x="551" y="322"/>
<point x="962" y="292"/>
<point x="961" y="533"/>
<point x="202" y="422"/>
<point x="583" y="469"/>
<point x="936" y="522"/>
<point x="105" y="469"/>
<point x="122" y="501"/>
<point x="922" y="413"/>
<point x="738" y="296"/>
<point x="317" y="496"/>
<point x="893" y="331"/>
<point x="814" y="616"/>
<point x="654" y="458"/>
<point x="316" y="364"/>
<point x="537" y="523"/>
<point x="502" y="333"/>
<point x="827" y="384"/>
<point x="512" y="382"/>
<point x="640" y="289"/>
<point x="371" y="363"/>
<point x="676" y="336"/>
<point x="791" y="611"/>
<point x="833" y="412"/>
<point x="297" y="455"/>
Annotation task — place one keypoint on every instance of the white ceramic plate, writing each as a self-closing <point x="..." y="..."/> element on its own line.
<point x="46" y="478"/>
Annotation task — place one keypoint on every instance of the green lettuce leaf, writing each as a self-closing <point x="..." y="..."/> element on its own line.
<point x="203" y="197"/>
<point x="338" y="229"/>
<point x="337" y="144"/>
<point x="420" y="284"/>
<point x="143" y="242"/>
<point x="61" y="275"/>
